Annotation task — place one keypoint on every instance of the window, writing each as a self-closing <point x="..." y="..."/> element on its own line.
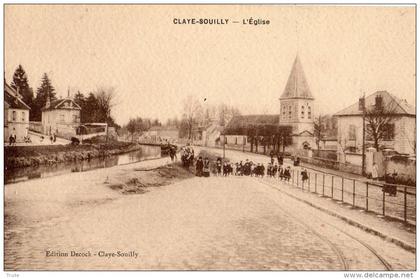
<point x="23" y="116"/>
<point x="14" y="115"/>
<point x="284" y="112"/>
<point x="352" y="132"/>
<point x="290" y="112"/>
<point x="309" y="113"/>
<point x="62" y="118"/>
<point x="302" y="112"/>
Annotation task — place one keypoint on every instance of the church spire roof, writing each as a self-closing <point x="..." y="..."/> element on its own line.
<point x="297" y="86"/>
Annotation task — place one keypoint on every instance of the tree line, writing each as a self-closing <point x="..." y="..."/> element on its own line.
<point x="195" y="115"/>
<point x="96" y="106"/>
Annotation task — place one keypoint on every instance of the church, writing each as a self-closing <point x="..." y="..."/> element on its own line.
<point x="297" y="108"/>
<point x="296" y="111"/>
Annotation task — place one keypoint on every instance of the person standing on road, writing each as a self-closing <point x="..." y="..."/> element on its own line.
<point x="281" y="173"/>
<point x="225" y="169"/>
<point x="11" y="139"/>
<point x="280" y="159"/>
<point x="374" y="172"/>
<point x="206" y="167"/>
<point x="304" y="175"/>
<point x="287" y="174"/>
<point x="199" y="167"/>
<point x="219" y="166"/>
<point x="274" y="170"/>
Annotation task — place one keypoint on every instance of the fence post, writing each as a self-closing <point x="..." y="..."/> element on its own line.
<point x="354" y="190"/>
<point x="383" y="201"/>
<point x="367" y="196"/>
<point x="293" y="177"/>
<point x="303" y="182"/>
<point x="405" y="204"/>
<point x="342" y="189"/>
<point x="297" y="178"/>
<point x="323" y="184"/>
<point x="309" y="182"/>
<point x="316" y="180"/>
<point x="332" y="186"/>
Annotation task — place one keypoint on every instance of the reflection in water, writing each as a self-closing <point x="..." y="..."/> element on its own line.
<point x="22" y="174"/>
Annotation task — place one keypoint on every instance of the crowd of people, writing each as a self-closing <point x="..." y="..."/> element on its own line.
<point x="204" y="167"/>
<point x="249" y="168"/>
<point x="187" y="156"/>
<point x="220" y="167"/>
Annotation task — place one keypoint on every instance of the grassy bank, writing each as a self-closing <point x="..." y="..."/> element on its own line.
<point x="25" y="156"/>
<point x="137" y="181"/>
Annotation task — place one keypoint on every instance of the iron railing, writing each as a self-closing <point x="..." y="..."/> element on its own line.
<point x="375" y="197"/>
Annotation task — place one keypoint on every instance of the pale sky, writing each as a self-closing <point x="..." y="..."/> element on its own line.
<point x="153" y="64"/>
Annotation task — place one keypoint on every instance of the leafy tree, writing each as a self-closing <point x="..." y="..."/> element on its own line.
<point x="20" y="83"/>
<point x="44" y="90"/>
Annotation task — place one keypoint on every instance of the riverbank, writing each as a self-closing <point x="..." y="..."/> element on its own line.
<point x="26" y="156"/>
<point x="43" y="202"/>
<point x="140" y="178"/>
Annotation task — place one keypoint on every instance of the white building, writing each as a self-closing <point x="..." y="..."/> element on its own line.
<point x="400" y="136"/>
<point x="16" y="115"/>
<point x="61" y="117"/>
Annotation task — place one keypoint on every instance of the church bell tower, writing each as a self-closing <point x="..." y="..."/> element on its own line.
<point x="297" y="107"/>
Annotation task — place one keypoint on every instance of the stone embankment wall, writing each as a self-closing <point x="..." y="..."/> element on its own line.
<point x="18" y="157"/>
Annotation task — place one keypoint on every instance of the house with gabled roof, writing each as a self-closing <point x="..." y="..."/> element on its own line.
<point x="61" y="117"/>
<point x="401" y="132"/>
<point x="237" y="129"/>
<point x="16" y="114"/>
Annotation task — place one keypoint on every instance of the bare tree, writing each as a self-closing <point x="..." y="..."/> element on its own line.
<point x="106" y="100"/>
<point x="318" y="130"/>
<point x="379" y="119"/>
<point x="226" y="113"/>
<point x="191" y="115"/>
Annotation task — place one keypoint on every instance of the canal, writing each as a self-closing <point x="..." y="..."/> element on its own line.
<point x="146" y="152"/>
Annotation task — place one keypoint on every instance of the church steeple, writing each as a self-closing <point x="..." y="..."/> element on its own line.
<point x="297" y="86"/>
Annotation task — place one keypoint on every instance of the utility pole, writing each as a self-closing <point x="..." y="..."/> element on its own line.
<point x="106" y="127"/>
<point x="362" y="104"/>
<point x="224" y="143"/>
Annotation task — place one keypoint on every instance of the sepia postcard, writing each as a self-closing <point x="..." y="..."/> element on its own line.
<point x="202" y="137"/>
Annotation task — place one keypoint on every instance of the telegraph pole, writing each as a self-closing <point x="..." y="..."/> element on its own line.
<point x="363" y="104"/>
<point x="224" y="143"/>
